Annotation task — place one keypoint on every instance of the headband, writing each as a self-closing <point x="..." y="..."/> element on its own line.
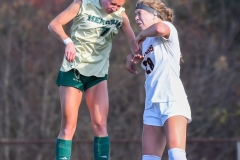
<point x="149" y="9"/>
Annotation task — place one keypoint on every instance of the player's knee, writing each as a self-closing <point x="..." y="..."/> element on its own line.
<point x="67" y="132"/>
<point x="150" y="157"/>
<point x="100" y="128"/>
<point x="177" y="154"/>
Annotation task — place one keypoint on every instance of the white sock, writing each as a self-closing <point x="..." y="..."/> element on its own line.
<point x="150" y="157"/>
<point x="176" y="154"/>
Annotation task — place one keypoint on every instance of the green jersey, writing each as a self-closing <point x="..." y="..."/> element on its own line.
<point x="92" y="33"/>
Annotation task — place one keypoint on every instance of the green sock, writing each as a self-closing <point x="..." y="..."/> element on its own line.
<point x="63" y="149"/>
<point x="101" y="148"/>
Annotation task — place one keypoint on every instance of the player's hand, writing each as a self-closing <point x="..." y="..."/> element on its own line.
<point x="70" y="52"/>
<point x="137" y="58"/>
<point x="130" y="65"/>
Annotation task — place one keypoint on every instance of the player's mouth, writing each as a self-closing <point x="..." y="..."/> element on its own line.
<point x="110" y="11"/>
<point x="139" y="24"/>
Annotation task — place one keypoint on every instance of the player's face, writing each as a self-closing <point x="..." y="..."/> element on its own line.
<point x="110" y="6"/>
<point x="144" y="19"/>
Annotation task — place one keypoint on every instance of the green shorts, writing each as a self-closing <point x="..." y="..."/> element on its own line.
<point x="73" y="78"/>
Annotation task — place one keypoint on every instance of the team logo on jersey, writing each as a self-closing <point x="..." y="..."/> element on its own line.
<point x="99" y="20"/>
<point x="150" y="49"/>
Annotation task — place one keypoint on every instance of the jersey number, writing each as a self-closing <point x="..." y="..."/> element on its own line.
<point x="105" y="30"/>
<point x="148" y="62"/>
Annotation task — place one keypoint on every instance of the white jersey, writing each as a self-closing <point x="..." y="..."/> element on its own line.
<point x="161" y="63"/>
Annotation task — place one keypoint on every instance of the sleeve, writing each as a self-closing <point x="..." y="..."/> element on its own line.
<point x="81" y="8"/>
<point x="173" y="31"/>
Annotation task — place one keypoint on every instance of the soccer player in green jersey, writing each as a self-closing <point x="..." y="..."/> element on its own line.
<point x="85" y="67"/>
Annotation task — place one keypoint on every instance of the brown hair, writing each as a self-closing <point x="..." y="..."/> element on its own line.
<point x="165" y="13"/>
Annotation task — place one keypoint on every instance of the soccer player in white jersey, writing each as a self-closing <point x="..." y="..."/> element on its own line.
<point x="167" y="110"/>
<point x="85" y="67"/>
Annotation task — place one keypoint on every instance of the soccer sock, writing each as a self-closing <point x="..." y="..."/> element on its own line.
<point x="101" y="148"/>
<point x="63" y="149"/>
<point x="176" y="154"/>
<point x="150" y="157"/>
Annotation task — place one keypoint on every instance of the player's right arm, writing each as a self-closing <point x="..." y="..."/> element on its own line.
<point x="56" y="27"/>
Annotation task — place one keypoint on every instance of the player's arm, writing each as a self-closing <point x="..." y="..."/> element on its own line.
<point x="56" y="25"/>
<point x="130" y="37"/>
<point x="158" y="29"/>
<point x="56" y="28"/>
<point x="129" y="34"/>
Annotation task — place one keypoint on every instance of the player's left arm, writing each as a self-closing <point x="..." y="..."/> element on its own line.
<point x="157" y="29"/>
<point x="129" y="34"/>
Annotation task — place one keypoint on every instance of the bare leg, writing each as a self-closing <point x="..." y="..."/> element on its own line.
<point x="98" y="104"/>
<point x="97" y="101"/>
<point x="175" y="129"/>
<point x="70" y="101"/>
<point x="153" y="140"/>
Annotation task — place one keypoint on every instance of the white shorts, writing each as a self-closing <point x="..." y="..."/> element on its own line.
<point x="158" y="113"/>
